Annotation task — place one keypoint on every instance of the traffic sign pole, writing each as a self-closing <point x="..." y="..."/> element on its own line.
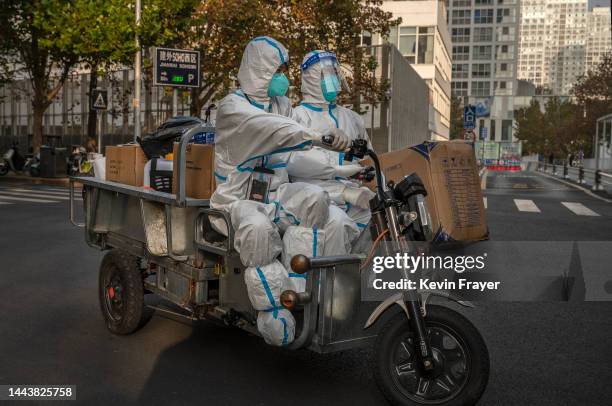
<point x="137" y="68"/>
<point x="174" y="102"/>
<point x="99" y="121"/>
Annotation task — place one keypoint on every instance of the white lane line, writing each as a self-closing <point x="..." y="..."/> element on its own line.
<point x="5" y="202"/>
<point x="526" y="205"/>
<point x="579" y="209"/>
<point x="484" y="199"/>
<point x="39" y="191"/>
<point x="34" y="195"/>
<point x="25" y="199"/>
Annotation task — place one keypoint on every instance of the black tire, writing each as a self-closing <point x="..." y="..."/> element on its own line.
<point x="4" y="170"/>
<point x="121" y="293"/>
<point x="462" y="361"/>
<point x="34" y="171"/>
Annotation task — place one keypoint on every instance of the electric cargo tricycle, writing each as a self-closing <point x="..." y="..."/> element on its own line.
<point x="156" y="243"/>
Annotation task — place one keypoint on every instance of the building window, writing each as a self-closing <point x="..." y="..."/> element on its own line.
<point x="460" y="17"/>
<point x="461" y="70"/>
<point x="460" y="35"/>
<point x="461" y="53"/>
<point x="483" y="16"/>
<point x="481" y="52"/>
<point x="501" y="13"/>
<point x="483" y="2"/>
<point x="481" y="88"/>
<point x="366" y="38"/>
<point x="459" y="88"/>
<point x="462" y="3"/>
<point x="416" y="44"/>
<point x="425" y="45"/>
<point x="407" y="42"/>
<point x="483" y="34"/>
<point x="492" y="130"/>
<point x="481" y="70"/>
<point x="506" y="130"/>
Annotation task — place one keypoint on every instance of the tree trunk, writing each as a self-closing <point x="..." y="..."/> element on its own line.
<point x="91" y="118"/>
<point x="37" y="127"/>
<point x="195" y="107"/>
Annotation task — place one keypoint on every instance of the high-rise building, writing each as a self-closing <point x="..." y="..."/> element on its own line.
<point x="553" y="43"/>
<point x="423" y="39"/>
<point x="599" y="36"/>
<point x="484" y="35"/>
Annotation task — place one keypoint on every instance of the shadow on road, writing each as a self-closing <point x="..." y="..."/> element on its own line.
<point x="224" y="366"/>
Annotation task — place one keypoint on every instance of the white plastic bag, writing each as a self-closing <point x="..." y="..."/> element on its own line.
<point x="99" y="164"/>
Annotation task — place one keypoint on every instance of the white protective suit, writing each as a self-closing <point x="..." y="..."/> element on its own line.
<point x="325" y="168"/>
<point x="251" y="132"/>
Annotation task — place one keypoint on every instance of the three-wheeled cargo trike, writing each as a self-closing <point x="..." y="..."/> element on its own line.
<point x="426" y="354"/>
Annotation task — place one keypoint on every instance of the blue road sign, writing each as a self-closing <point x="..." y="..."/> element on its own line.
<point x="469" y="117"/>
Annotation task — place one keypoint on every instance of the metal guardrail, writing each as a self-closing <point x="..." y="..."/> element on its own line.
<point x="596" y="179"/>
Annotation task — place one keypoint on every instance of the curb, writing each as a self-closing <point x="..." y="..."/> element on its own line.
<point x="35" y="181"/>
<point x="603" y="196"/>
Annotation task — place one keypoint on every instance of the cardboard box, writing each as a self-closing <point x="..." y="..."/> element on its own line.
<point x="199" y="170"/>
<point x="449" y="172"/>
<point x="125" y="164"/>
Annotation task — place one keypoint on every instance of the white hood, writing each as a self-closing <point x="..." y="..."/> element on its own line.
<point x="261" y="59"/>
<point x="311" y="82"/>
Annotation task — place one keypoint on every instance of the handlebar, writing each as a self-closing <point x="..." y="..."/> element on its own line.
<point x="359" y="149"/>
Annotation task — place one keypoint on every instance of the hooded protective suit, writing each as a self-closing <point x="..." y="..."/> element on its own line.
<point x="253" y="139"/>
<point x="323" y="167"/>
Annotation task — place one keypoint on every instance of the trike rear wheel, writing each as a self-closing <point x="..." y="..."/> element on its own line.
<point x="121" y="293"/>
<point x="461" y="361"/>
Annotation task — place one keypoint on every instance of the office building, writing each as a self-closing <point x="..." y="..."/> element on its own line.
<point x="423" y="39"/>
<point x="484" y="35"/>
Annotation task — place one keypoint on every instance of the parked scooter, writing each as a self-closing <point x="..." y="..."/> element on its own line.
<point x="12" y="160"/>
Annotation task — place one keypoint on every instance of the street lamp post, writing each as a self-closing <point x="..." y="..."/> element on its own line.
<point x="137" y="72"/>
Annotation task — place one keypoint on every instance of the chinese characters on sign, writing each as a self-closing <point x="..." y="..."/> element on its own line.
<point x="176" y="67"/>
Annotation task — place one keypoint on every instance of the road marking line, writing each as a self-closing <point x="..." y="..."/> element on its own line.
<point x="24" y="199"/>
<point x="1" y="202"/>
<point x="34" y="195"/>
<point x="484" y="199"/>
<point x="38" y="191"/>
<point x="579" y="209"/>
<point x="526" y="205"/>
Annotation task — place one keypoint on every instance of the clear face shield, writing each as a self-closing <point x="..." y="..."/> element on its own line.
<point x="332" y="80"/>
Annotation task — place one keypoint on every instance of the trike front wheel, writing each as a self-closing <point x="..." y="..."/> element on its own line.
<point x="460" y="354"/>
<point x="121" y="293"/>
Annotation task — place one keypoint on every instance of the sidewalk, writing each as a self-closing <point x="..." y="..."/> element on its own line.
<point x="13" y="178"/>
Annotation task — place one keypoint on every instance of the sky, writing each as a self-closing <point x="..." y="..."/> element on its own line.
<point x="595" y="3"/>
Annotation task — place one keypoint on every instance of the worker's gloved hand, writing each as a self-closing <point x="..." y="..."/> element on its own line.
<point x="335" y="140"/>
<point x="346" y="171"/>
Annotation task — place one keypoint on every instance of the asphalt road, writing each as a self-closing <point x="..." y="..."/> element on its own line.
<point x="51" y="329"/>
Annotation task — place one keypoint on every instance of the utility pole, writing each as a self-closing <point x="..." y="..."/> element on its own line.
<point x="174" y="101"/>
<point x="137" y="72"/>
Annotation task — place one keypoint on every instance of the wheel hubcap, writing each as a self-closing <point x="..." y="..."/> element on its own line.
<point x="113" y="299"/>
<point x="449" y="375"/>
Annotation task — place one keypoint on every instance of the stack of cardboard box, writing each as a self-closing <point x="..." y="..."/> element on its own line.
<point x="125" y="164"/>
